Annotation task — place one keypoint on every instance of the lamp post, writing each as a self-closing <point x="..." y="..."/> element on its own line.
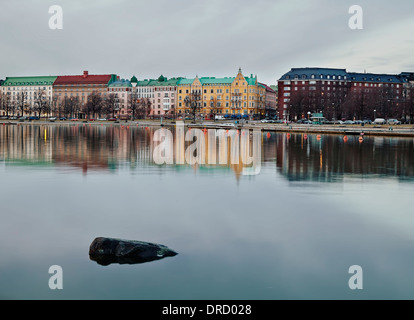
<point x="375" y="114"/>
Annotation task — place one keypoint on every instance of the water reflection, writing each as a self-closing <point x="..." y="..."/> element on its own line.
<point x="297" y="157"/>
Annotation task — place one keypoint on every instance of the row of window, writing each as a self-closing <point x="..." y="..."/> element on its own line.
<point x="205" y="104"/>
<point x="218" y="91"/>
<point x="314" y="77"/>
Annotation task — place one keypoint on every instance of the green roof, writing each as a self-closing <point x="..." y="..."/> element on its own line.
<point x="134" y="79"/>
<point x="29" y="81"/>
<point x="155" y="83"/>
<point x="120" y="83"/>
<point x="212" y="80"/>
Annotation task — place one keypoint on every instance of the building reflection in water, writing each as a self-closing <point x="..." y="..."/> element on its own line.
<point x="297" y="157"/>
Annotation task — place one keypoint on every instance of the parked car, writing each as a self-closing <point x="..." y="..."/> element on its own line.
<point x="74" y="119"/>
<point x="52" y="119"/>
<point x="13" y="118"/>
<point x="379" y="121"/>
<point x="338" y="122"/>
<point x="348" y="122"/>
<point x="62" y="119"/>
<point x="102" y="119"/>
<point x="393" y="121"/>
<point x="367" y="121"/>
<point x="34" y="118"/>
<point x="112" y="119"/>
<point x="266" y="121"/>
<point x="4" y="117"/>
<point x="23" y="118"/>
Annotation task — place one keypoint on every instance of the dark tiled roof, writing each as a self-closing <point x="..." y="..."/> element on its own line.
<point x="373" y="77"/>
<point x="317" y="73"/>
<point x="341" y="74"/>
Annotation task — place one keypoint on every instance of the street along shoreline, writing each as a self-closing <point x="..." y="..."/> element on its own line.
<point x="368" y="130"/>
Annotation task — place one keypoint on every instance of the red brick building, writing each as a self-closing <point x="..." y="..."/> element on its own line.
<point x="339" y="94"/>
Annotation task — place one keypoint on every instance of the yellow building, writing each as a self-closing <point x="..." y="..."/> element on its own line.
<point x="231" y="97"/>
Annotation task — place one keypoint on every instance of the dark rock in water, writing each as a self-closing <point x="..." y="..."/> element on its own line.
<point x="108" y="250"/>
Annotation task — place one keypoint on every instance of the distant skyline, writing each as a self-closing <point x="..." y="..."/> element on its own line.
<point x="185" y="38"/>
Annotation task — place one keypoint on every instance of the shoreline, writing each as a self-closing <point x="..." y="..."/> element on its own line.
<point x="368" y="130"/>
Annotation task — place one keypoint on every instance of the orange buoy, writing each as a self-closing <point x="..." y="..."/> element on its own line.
<point x="268" y="135"/>
<point x="318" y="137"/>
<point x="361" y="139"/>
<point x="305" y="136"/>
<point x="345" y="139"/>
<point x="288" y="135"/>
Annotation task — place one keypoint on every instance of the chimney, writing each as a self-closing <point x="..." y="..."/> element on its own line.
<point x="85" y="74"/>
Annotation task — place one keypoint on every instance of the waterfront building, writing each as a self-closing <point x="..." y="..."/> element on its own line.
<point x="27" y="95"/>
<point x="121" y="89"/>
<point x="339" y="94"/>
<point x="161" y="92"/>
<point x="232" y="97"/>
<point x="79" y="87"/>
<point x="270" y="100"/>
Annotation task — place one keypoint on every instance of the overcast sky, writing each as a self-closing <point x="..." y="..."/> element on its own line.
<point x="205" y="38"/>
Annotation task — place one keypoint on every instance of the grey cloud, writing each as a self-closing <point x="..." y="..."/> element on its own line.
<point x="185" y="38"/>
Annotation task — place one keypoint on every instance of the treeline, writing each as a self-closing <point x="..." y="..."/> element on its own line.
<point x="96" y="106"/>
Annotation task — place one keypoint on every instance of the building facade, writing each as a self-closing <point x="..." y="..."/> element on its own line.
<point x="77" y="88"/>
<point x="231" y="97"/>
<point x="270" y="101"/>
<point x="27" y="95"/>
<point x="121" y="90"/>
<point x="161" y="92"/>
<point x="339" y="94"/>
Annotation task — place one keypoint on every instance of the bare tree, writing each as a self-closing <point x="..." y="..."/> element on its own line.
<point x="5" y="104"/>
<point x="111" y="104"/>
<point x="193" y="103"/>
<point x="214" y="107"/>
<point x="144" y="107"/>
<point x="94" y="104"/>
<point x="133" y="104"/>
<point x="39" y="101"/>
<point x="21" y="103"/>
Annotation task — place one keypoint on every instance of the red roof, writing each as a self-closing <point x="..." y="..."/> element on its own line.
<point x="83" y="79"/>
<point x="267" y="87"/>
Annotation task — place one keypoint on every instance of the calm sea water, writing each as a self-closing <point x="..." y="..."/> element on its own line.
<point x="315" y="207"/>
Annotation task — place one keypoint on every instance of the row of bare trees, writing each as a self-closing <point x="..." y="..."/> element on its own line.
<point x="72" y="107"/>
